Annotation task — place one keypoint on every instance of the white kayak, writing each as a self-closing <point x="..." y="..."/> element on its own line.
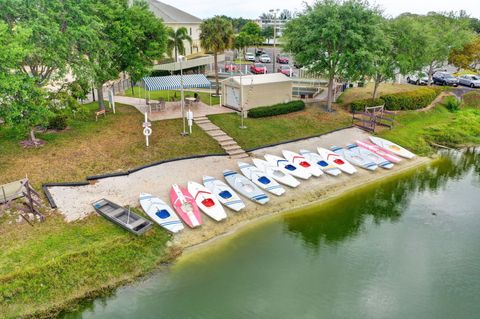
<point x="337" y="160"/>
<point x="288" y="167"/>
<point x="161" y="213"/>
<point x="355" y="159"/>
<point x="275" y="172"/>
<point x="206" y="201"/>
<point x="392" y="147"/>
<point x="245" y="187"/>
<point x="377" y="159"/>
<point x="225" y="194"/>
<point x="303" y="162"/>
<point x="321" y="162"/>
<point x="259" y="178"/>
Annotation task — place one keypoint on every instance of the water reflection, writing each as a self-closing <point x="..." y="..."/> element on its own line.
<point x="380" y="202"/>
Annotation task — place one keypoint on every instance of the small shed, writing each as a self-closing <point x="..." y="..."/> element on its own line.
<point x="258" y="90"/>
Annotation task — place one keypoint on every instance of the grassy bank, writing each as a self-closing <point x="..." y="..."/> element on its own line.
<point x="88" y="147"/>
<point x="268" y="130"/>
<point x="51" y="266"/>
<point x="361" y="93"/>
<point x="169" y="95"/>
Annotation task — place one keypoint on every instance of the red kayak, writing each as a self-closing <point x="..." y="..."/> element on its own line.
<point x="184" y="204"/>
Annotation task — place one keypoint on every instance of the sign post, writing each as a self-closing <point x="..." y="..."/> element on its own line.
<point x="147" y="130"/>
<point x="190" y="120"/>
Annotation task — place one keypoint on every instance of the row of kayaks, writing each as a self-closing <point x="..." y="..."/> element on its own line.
<point x="263" y="178"/>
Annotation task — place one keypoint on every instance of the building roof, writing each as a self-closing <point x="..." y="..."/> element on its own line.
<point x="259" y="79"/>
<point x="175" y="82"/>
<point x="171" y="15"/>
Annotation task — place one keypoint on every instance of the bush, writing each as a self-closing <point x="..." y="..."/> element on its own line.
<point x="411" y="100"/>
<point x="360" y="105"/>
<point x="277" y="109"/>
<point x="452" y="104"/>
<point x="58" y="122"/>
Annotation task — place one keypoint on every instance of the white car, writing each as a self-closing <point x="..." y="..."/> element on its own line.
<point x="250" y="57"/>
<point x="418" y="78"/>
<point x="470" y="80"/>
<point x="265" y="58"/>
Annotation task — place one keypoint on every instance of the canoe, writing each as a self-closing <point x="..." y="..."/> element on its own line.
<point x="379" y="151"/>
<point x="185" y="206"/>
<point x="288" y="167"/>
<point x="322" y="163"/>
<point x="206" y="201"/>
<point x="245" y="187"/>
<point x="392" y="147"/>
<point x="121" y="216"/>
<point x="224" y="193"/>
<point x="355" y="158"/>
<point x="337" y="160"/>
<point x="261" y="179"/>
<point x="303" y="162"/>
<point x="161" y="213"/>
<point x="276" y="173"/>
<point x="377" y="159"/>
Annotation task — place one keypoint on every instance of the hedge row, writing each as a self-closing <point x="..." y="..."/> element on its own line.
<point x="277" y="109"/>
<point x="360" y="105"/>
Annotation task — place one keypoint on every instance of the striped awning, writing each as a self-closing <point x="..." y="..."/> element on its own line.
<point x="174" y="82"/>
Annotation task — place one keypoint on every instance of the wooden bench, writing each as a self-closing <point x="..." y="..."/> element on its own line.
<point x="101" y="112"/>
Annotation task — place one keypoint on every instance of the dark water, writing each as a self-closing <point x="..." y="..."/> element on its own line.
<point x="404" y="248"/>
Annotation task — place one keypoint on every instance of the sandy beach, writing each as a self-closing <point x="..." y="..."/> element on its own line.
<point x="75" y="202"/>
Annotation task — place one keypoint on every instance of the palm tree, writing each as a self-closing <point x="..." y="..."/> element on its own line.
<point x="176" y="41"/>
<point x="216" y="35"/>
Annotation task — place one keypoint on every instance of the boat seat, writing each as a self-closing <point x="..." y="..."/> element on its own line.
<point x="136" y="223"/>
<point x="115" y="213"/>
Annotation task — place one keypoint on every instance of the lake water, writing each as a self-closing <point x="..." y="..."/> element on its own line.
<point x="408" y="247"/>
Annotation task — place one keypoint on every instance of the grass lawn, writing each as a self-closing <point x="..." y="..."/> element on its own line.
<point x="88" y="147"/>
<point x="366" y="92"/>
<point x="268" y="130"/>
<point x="168" y="95"/>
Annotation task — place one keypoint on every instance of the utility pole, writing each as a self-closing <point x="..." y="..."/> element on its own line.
<point x="180" y="59"/>
<point x="274" y="11"/>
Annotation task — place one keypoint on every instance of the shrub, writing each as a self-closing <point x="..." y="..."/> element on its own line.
<point x="360" y="105"/>
<point x="411" y="100"/>
<point x="452" y="104"/>
<point x="58" y="122"/>
<point x="277" y="109"/>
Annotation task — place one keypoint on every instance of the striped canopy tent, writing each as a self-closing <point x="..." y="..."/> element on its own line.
<point x="174" y="82"/>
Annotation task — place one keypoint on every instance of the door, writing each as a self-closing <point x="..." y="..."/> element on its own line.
<point x="232" y="97"/>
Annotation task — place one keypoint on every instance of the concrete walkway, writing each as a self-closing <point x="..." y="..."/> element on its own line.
<point x="172" y="109"/>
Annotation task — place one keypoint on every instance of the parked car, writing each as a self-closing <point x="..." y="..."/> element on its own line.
<point x="283" y="59"/>
<point x="285" y="69"/>
<point x="419" y="78"/>
<point x="470" y="80"/>
<point x="265" y="58"/>
<point x="259" y="51"/>
<point x="249" y="56"/>
<point x="230" y="67"/>
<point x="444" y="78"/>
<point x="258" y="68"/>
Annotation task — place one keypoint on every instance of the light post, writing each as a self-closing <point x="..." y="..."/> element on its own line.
<point x="181" y="59"/>
<point x="274" y="11"/>
<point x="242" y="114"/>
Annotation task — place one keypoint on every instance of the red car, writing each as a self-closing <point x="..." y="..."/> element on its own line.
<point x="230" y="67"/>
<point x="282" y="59"/>
<point x="285" y="69"/>
<point x="258" y="68"/>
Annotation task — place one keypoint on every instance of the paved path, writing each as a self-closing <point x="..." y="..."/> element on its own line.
<point x="225" y="141"/>
<point x="172" y="109"/>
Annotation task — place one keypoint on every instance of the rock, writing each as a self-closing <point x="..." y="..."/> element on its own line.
<point x="31" y="217"/>
<point x="19" y="220"/>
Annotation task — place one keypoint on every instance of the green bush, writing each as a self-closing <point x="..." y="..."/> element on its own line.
<point x="58" y="122"/>
<point x="360" y="105"/>
<point x="411" y="100"/>
<point x="277" y="109"/>
<point x="452" y="104"/>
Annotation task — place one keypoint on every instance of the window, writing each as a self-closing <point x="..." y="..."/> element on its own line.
<point x="190" y="31"/>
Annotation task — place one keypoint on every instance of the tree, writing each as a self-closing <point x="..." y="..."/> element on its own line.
<point x="286" y="15"/>
<point x="268" y="33"/>
<point x="254" y="33"/>
<point x="176" y="41"/>
<point x="242" y="41"/>
<point x="216" y="35"/>
<point x="468" y="57"/>
<point x="334" y="38"/>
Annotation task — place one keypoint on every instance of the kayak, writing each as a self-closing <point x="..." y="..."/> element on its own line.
<point x="321" y="162"/>
<point x="206" y="201"/>
<point x="161" y="213"/>
<point x="337" y="160"/>
<point x="261" y="179"/>
<point x="380" y="151"/>
<point x="224" y="193"/>
<point x="355" y="158"/>
<point x="184" y="204"/>
<point x="276" y="173"/>
<point x="377" y="159"/>
<point x="245" y="187"/>
<point x="392" y="147"/>
<point x="288" y="167"/>
<point x="303" y="162"/>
